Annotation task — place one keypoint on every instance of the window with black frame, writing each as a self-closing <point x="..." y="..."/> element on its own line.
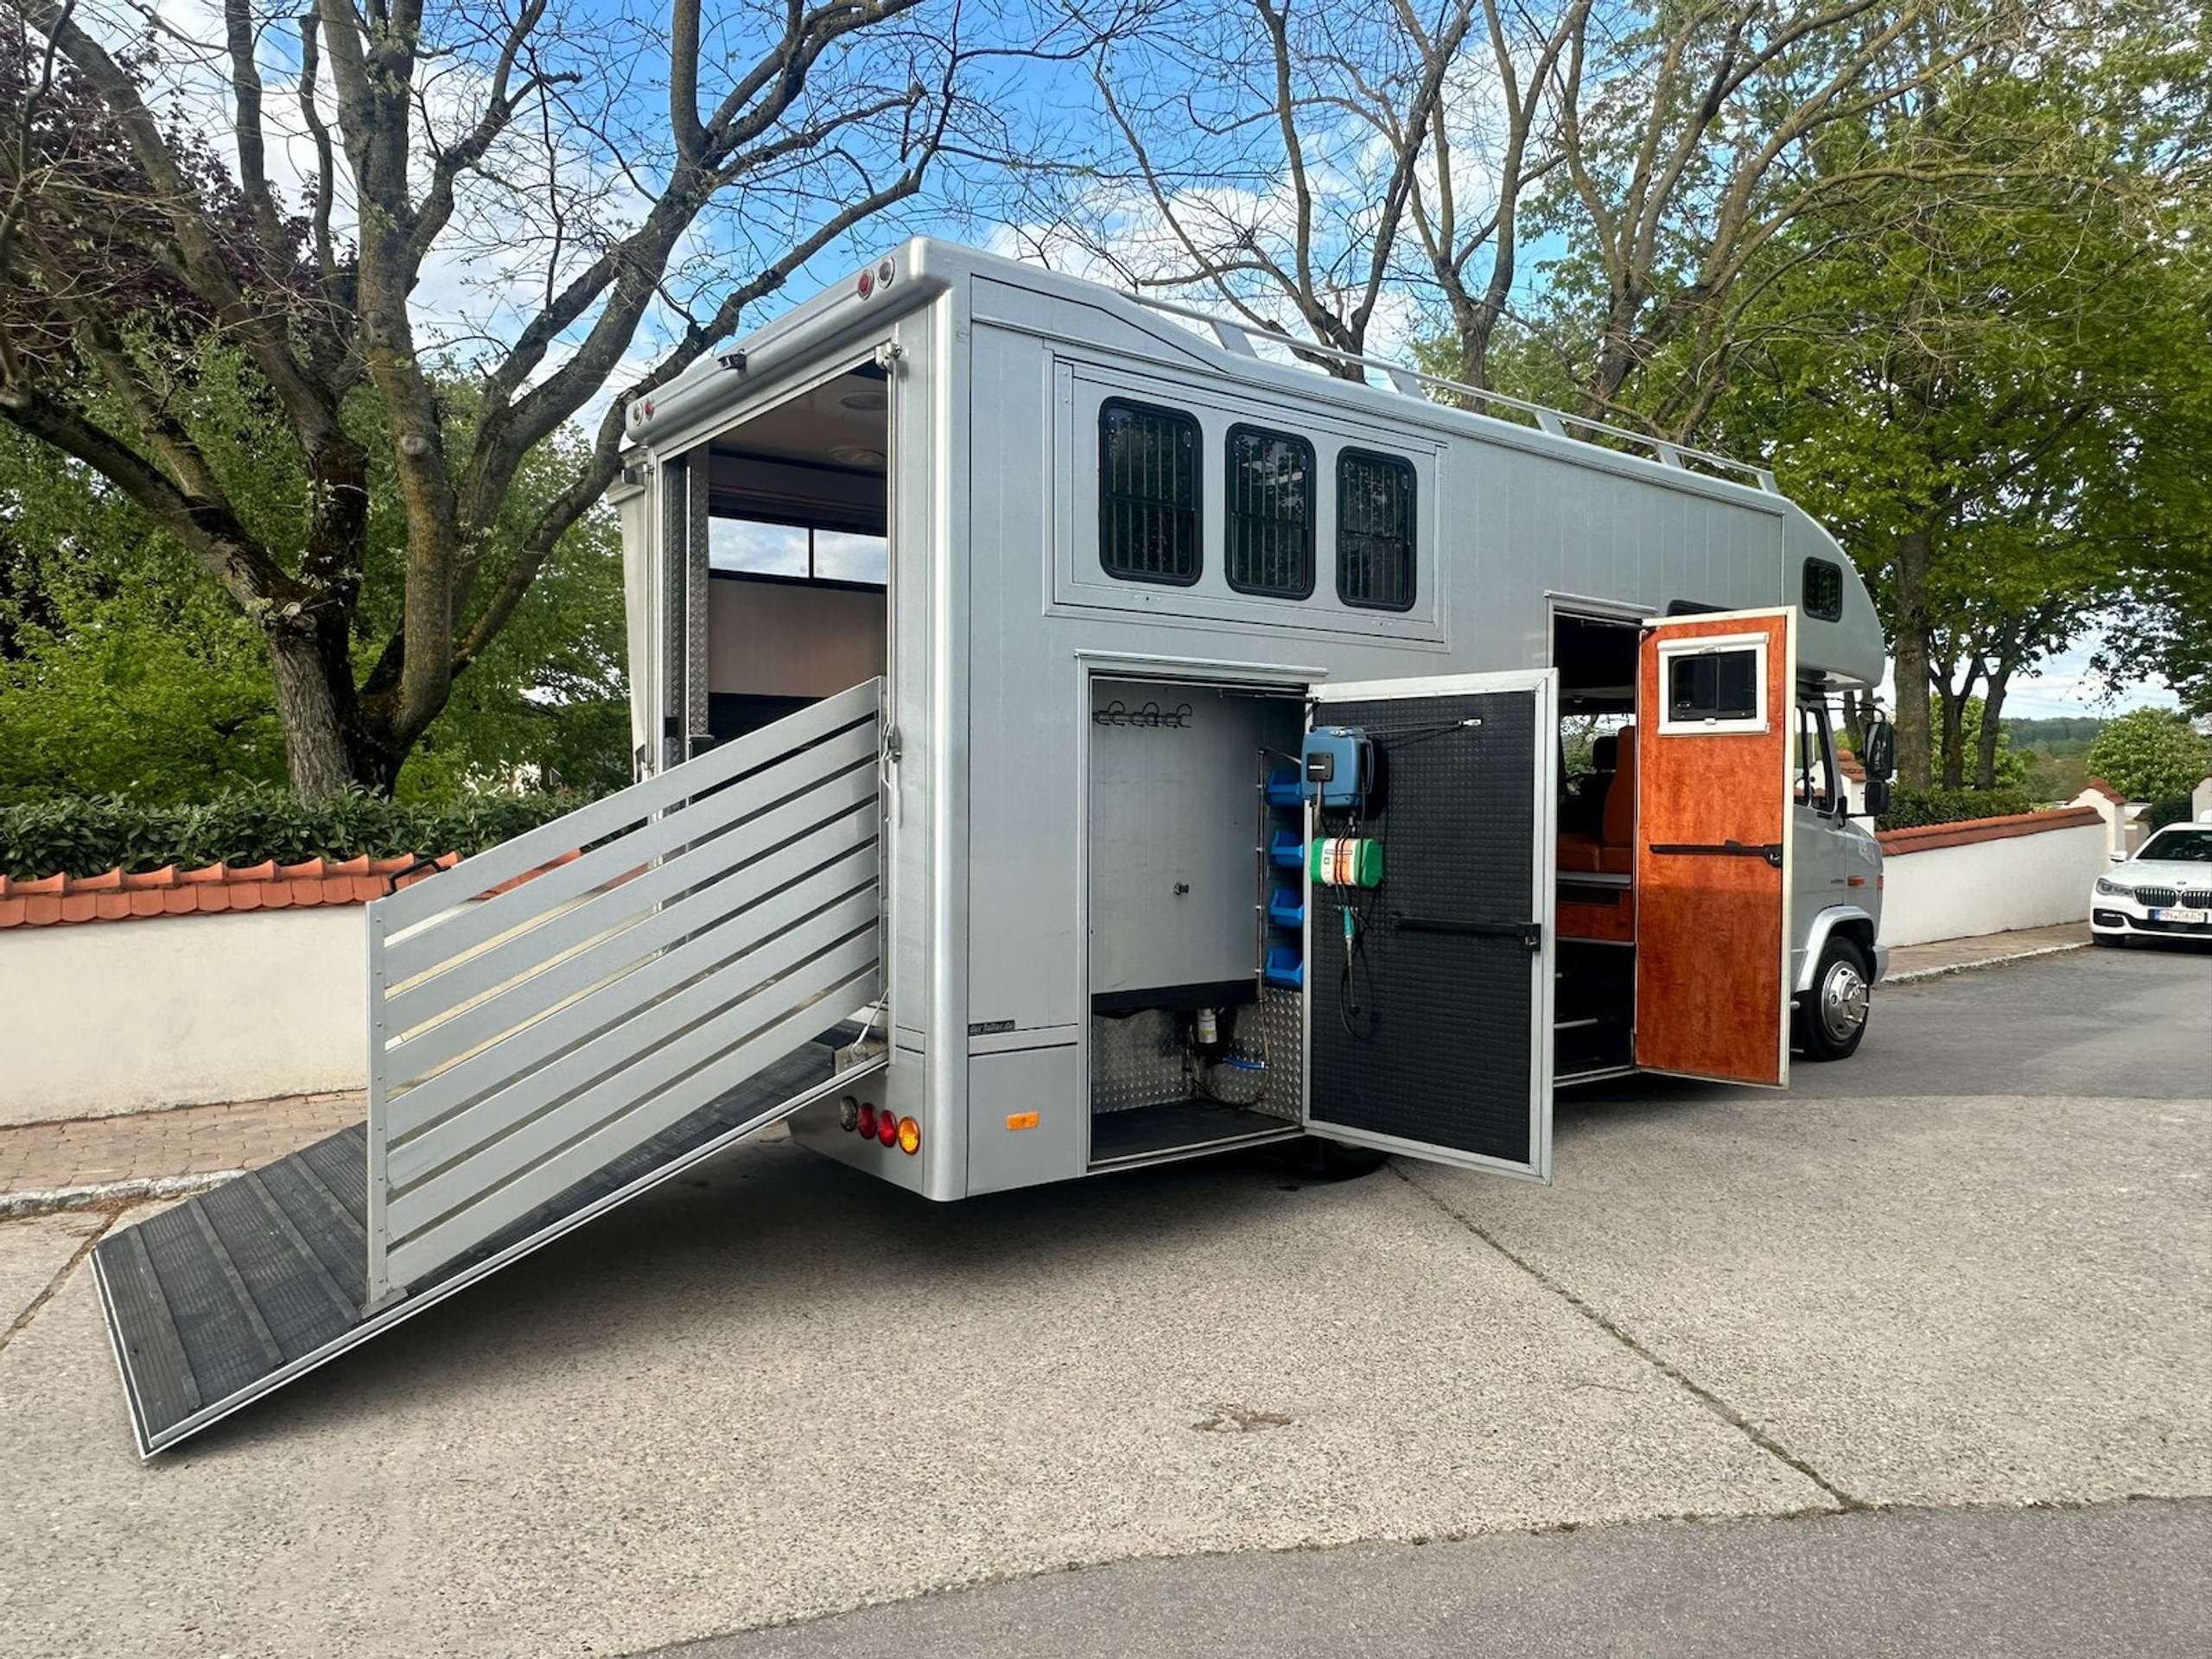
<point x="1375" y="531"/>
<point x="1823" y="590"/>
<point x="1147" y="492"/>
<point x="1712" y="685"/>
<point x="1269" y="513"/>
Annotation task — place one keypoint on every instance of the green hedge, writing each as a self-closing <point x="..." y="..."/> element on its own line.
<point x="1911" y="809"/>
<point x="2159" y="814"/>
<point x="86" y="836"/>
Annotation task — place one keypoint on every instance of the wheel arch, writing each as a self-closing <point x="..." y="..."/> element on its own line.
<point x="1850" y="922"/>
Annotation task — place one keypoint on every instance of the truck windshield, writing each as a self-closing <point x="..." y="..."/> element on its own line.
<point x="2182" y="846"/>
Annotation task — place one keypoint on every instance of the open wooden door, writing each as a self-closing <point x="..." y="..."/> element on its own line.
<point x="1715" y="697"/>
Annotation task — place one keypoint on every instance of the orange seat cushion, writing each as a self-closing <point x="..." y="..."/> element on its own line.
<point x="1580" y="854"/>
<point x="1619" y="822"/>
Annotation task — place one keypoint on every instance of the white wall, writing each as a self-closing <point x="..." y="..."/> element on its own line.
<point x="129" y="1016"/>
<point x="1990" y="887"/>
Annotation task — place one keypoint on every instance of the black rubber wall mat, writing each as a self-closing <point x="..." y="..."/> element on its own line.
<point x="1432" y="1042"/>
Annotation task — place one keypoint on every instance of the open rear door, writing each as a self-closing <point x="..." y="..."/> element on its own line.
<point x="1714" y="700"/>
<point x="1429" y="999"/>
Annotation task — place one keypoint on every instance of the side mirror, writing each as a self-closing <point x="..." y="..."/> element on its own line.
<point x="1881" y="757"/>
<point x="1877" y="796"/>
<point x="2116" y="858"/>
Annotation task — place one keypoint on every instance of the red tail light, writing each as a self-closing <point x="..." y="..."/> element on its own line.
<point x="886" y="1127"/>
<point x="867" y="1121"/>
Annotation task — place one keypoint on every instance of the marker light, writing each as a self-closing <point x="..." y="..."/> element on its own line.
<point x="887" y="1128"/>
<point x="910" y="1137"/>
<point x="849" y="1113"/>
<point x="867" y="283"/>
<point x="866" y="1119"/>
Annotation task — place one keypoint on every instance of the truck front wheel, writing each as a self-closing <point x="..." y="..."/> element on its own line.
<point x="1832" y="1017"/>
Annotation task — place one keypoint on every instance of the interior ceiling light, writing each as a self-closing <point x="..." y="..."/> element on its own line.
<point x="872" y="402"/>
<point x="852" y="455"/>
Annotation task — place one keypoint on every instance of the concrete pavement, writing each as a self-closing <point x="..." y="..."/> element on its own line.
<point x="783" y="1391"/>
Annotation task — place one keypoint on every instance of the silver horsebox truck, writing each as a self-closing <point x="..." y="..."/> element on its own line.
<point x="1073" y="734"/>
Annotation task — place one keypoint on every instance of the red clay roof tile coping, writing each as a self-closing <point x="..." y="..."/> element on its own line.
<point x="1928" y="837"/>
<point x="120" y="895"/>
<point x="2105" y="790"/>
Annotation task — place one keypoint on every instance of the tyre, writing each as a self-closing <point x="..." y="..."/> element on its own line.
<point x="1832" y="1018"/>
<point x="1320" y="1159"/>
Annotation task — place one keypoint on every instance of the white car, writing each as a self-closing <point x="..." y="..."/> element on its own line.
<point x="2163" y="892"/>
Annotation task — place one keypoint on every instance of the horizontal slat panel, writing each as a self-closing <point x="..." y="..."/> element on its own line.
<point x="411" y="1261"/>
<point x="628" y="1103"/>
<point x="774" y="877"/>
<point x="428" y="1128"/>
<point x="475" y="925"/>
<point x="494" y="966"/>
<point x="487" y="869"/>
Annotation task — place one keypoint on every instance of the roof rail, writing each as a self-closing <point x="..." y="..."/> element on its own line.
<point x="1237" y="337"/>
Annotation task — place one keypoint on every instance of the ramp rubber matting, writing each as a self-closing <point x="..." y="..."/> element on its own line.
<point x="237" y="1292"/>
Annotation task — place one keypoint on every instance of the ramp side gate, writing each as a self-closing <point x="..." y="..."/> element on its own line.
<point x="540" y="1051"/>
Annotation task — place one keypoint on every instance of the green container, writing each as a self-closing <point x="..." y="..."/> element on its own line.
<point x="1366" y="862"/>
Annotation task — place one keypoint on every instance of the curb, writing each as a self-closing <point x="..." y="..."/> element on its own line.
<point x="103" y="1194"/>
<point x="1908" y="977"/>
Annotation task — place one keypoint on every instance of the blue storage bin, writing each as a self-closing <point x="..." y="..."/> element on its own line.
<point x="1287" y="848"/>
<point x="1286" y="908"/>
<point x="1284" y="788"/>
<point x="1284" y="968"/>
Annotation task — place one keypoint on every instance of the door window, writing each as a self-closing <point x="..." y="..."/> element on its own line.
<point x="1714" y="683"/>
<point x="1817" y="785"/>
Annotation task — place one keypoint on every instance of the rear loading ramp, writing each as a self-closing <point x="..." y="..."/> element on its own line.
<point x="540" y="1049"/>
<point x="230" y="1295"/>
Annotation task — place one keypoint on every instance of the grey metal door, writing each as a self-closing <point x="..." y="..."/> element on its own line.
<point x="1429" y="998"/>
<point x="670" y="941"/>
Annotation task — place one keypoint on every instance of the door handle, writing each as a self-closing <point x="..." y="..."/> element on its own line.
<point x="1770" y="850"/>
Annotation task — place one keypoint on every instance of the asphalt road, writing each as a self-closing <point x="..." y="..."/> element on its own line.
<point x="2013" y="1584"/>
<point x="1920" y="1345"/>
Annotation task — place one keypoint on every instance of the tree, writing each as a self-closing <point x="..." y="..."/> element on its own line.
<point x="1970" y="375"/>
<point x="1254" y="175"/>
<point x="2151" y="754"/>
<point x="123" y="671"/>
<point x="1690" y="143"/>
<point x="1983" y="734"/>
<point x="597" y="167"/>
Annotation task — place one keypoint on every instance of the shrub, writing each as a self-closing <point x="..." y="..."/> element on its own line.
<point x="2151" y="754"/>
<point x="82" y="836"/>
<point x="2159" y="814"/>
<point x="1912" y="809"/>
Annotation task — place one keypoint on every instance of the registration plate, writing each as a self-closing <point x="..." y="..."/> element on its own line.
<point x="2198" y="917"/>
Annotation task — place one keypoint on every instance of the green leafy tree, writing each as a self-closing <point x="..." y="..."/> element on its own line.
<point x="124" y="672"/>
<point x="2151" y="754"/>
<point x="580" y="166"/>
